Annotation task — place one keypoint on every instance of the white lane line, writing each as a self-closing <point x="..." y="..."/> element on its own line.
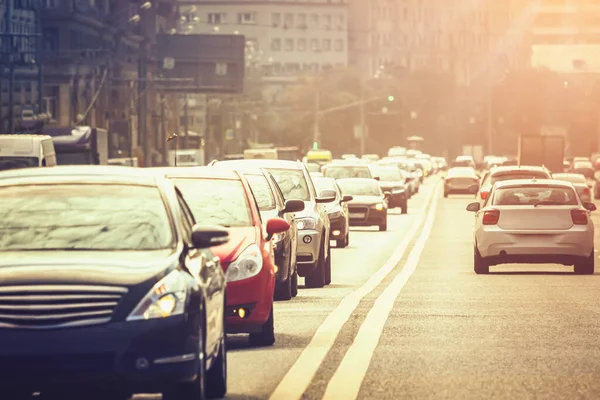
<point x="298" y="378"/>
<point x="347" y="379"/>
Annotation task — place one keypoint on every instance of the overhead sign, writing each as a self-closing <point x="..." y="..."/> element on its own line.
<point x="202" y="63"/>
<point x="229" y="134"/>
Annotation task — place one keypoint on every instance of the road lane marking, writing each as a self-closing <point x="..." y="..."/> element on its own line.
<point x="298" y="378"/>
<point x="347" y="379"/>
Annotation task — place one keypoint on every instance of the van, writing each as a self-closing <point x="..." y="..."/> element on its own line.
<point x="26" y="151"/>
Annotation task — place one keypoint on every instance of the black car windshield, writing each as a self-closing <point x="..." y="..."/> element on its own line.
<point x="18" y="162"/>
<point x="292" y="183"/>
<point x="262" y="192"/>
<point x="216" y="201"/>
<point x="533" y="195"/>
<point x="347" y="171"/>
<point x="390" y="174"/>
<point x="83" y="217"/>
<point x="509" y="176"/>
<point x="359" y="187"/>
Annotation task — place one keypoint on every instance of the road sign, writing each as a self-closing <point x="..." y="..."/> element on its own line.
<point x="229" y="134"/>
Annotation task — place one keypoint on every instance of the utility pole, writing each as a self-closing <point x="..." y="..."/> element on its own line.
<point x="11" y="79"/>
<point x="38" y="61"/>
<point x="363" y="124"/>
<point x="186" y="123"/>
<point x="490" y="123"/>
<point x="316" y="130"/>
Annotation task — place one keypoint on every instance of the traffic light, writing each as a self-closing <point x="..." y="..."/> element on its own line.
<point x="390" y="98"/>
<point x="315" y="146"/>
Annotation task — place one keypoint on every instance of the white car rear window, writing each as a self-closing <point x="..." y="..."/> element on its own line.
<point x="535" y="195"/>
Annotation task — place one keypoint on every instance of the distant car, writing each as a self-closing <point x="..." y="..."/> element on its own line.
<point x="393" y="185"/>
<point x="313" y="167"/>
<point x="579" y="182"/>
<point x="272" y="204"/>
<point x="293" y="178"/>
<point x="533" y="221"/>
<point x="316" y="174"/>
<point x="461" y="180"/>
<point x="224" y="198"/>
<point x="507" y="173"/>
<point x="370" y="157"/>
<point x="463" y="161"/>
<point x="349" y="169"/>
<point x="585" y="168"/>
<point x="107" y="284"/>
<point x="368" y="206"/>
<point x="338" y="213"/>
<point x="411" y="181"/>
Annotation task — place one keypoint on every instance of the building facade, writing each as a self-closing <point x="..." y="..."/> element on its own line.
<point x="565" y="21"/>
<point x="20" y="77"/>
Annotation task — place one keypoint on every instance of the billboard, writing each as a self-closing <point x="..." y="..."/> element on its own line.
<point x="198" y="63"/>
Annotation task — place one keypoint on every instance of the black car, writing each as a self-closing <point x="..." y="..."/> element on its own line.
<point x="107" y="288"/>
<point x="393" y="185"/>
<point x="271" y="204"/>
<point x="337" y="211"/>
<point x="368" y="206"/>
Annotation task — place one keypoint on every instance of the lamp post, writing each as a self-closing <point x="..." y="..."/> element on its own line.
<point x="170" y="138"/>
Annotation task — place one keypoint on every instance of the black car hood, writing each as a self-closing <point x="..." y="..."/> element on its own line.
<point x="113" y="268"/>
<point x="365" y="200"/>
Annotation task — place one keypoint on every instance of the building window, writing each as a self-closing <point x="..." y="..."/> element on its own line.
<point x="302" y="21"/>
<point x="247" y="18"/>
<point x="276" y="19"/>
<point x="340" y="21"/>
<point x="50" y="38"/>
<point x="50" y="101"/>
<point x="339" y="45"/>
<point x="289" y="44"/>
<point x="326" y="45"/>
<point x="275" y="44"/>
<point x="314" y="20"/>
<point x="216" y="18"/>
<point x="301" y="44"/>
<point x="288" y="20"/>
<point x="314" y="44"/>
<point x="327" y="21"/>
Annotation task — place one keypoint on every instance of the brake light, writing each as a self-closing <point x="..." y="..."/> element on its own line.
<point x="587" y="192"/>
<point x="579" y="217"/>
<point x="484" y="194"/>
<point x="491" y="217"/>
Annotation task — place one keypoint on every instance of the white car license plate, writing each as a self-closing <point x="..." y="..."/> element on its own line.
<point x="357" y="215"/>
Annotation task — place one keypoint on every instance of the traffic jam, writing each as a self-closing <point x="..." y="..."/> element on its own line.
<point x="140" y="277"/>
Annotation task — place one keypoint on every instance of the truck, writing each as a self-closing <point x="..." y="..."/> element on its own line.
<point x="543" y="150"/>
<point x="81" y="145"/>
<point x="475" y="151"/>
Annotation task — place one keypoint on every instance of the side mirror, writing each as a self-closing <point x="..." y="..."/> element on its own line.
<point x="387" y="194"/>
<point x="205" y="236"/>
<point x="276" y="225"/>
<point x="347" y="198"/>
<point x="474" y="207"/>
<point x="293" y="206"/>
<point x="327" y="196"/>
<point x="377" y="178"/>
<point x="589" y="206"/>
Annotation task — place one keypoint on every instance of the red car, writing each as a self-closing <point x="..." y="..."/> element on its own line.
<point x="223" y="197"/>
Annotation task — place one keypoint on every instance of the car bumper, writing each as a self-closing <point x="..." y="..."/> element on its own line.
<point x="309" y="242"/>
<point x="338" y="228"/>
<point x="138" y="356"/>
<point x="503" y="246"/>
<point x="255" y="296"/>
<point x="397" y="200"/>
<point x="370" y="217"/>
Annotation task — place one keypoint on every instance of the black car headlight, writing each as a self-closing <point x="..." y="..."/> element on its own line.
<point x="379" y="206"/>
<point x="166" y="299"/>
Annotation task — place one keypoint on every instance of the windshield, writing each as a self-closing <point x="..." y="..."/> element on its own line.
<point x="261" y="191"/>
<point x="292" y="183"/>
<point x="573" y="178"/>
<point x="347" y="171"/>
<point x="588" y="172"/>
<point x="532" y="195"/>
<point x="583" y="165"/>
<point x="74" y="158"/>
<point x="324" y="184"/>
<point x="461" y="163"/>
<point x="83" y="217"/>
<point x="311" y="167"/>
<point x="216" y="201"/>
<point x="388" y="174"/>
<point x="461" y="173"/>
<point x="518" y="175"/>
<point x="18" y="162"/>
<point x="355" y="187"/>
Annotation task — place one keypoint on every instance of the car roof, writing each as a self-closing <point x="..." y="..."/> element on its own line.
<point x="262" y="163"/>
<point x="357" y="180"/>
<point x="349" y="163"/>
<point x="517" y="168"/>
<point x="197" y="172"/>
<point x="532" y="182"/>
<point x="462" y="171"/>
<point x="79" y="173"/>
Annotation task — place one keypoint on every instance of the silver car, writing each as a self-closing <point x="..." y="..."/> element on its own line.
<point x="580" y="183"/>
<point x="313" y="252"/>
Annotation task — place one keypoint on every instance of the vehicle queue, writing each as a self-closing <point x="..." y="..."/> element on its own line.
<point x="120" y="280"/>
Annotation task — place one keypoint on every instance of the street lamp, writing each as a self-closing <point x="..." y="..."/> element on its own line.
<point x="170" y="138"/>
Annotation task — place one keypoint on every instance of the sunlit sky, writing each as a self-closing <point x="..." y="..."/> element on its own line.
<point x="560" y="58"/>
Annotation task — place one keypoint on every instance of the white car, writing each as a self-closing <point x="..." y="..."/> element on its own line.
<point x="533" y="222"/>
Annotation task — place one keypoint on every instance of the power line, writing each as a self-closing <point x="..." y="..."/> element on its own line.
<point x="95" y="97"/>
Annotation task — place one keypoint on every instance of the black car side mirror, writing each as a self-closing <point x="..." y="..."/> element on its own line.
<point x="293" y="206"/>
<point x="474" y="207"/>
<point x="347" y="198"/>
<point x="204" y="236"/>
<point x="589" y="206"/>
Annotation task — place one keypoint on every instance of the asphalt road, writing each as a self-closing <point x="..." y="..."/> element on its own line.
<point x="406" y="317"/>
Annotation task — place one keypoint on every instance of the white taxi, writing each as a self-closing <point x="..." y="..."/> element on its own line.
<point x="533" y="222"/>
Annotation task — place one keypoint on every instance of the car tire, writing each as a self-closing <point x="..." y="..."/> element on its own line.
<point x="295" y="283"/>
<point x="283" y="291"/>
<point x="480" y="266"/>
<point x="445" y="194"/>
<point x="266" y="336"/>
<point x="215" y="381"/>
<point x="383" y="227"/>
<point x="316" y="278"/>
<point x="405" y="208"/>
<point x="585" y="267"/>
<point x="328" y="268"/>
<point x="194" y="390"/>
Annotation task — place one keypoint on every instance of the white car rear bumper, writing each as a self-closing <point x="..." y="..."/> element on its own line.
<point x="493" y="241"/>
